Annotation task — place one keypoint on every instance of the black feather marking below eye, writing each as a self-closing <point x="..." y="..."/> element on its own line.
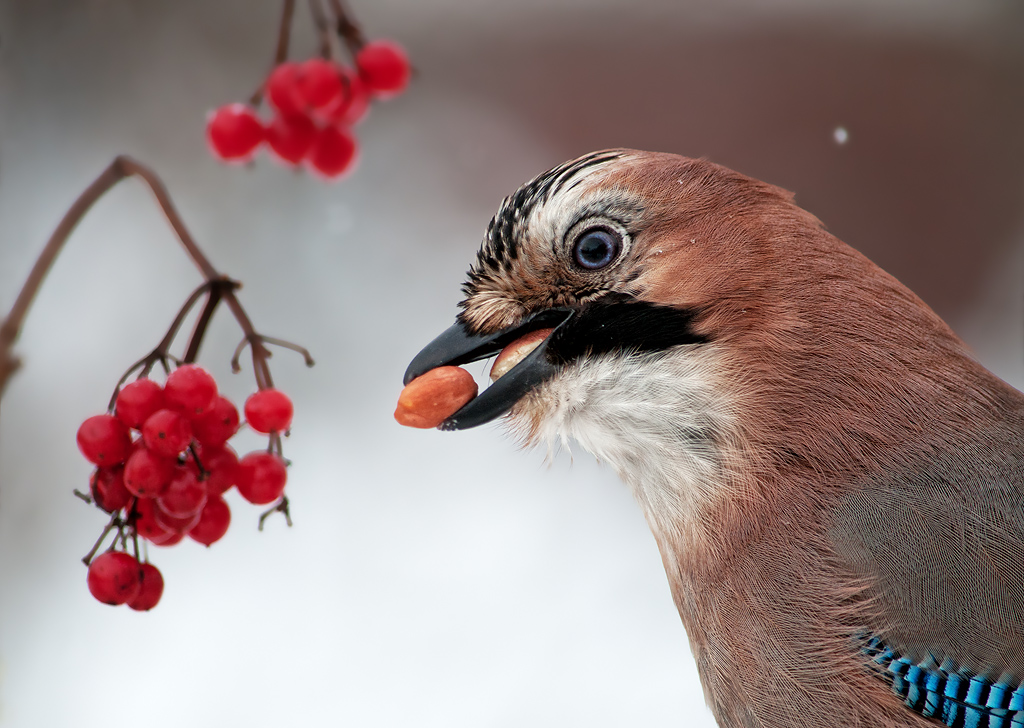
<point x="620" y="323"/>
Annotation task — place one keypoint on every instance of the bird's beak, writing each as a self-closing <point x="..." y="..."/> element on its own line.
<point x="457" y="346"/>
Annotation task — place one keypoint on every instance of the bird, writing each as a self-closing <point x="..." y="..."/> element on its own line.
<point x="834" y="482"/>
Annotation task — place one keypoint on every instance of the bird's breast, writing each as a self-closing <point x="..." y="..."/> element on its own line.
<point x="658" y="418"/>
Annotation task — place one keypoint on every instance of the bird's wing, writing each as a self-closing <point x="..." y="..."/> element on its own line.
<point x="942" y="542"/>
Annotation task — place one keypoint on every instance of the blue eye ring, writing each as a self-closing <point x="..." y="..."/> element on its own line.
<point x="596" y="248"/>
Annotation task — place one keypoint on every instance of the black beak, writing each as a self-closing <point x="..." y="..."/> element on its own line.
<point x="457" y="346"/>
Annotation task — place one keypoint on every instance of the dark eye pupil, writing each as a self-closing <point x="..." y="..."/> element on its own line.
<point x="596" y="249"/>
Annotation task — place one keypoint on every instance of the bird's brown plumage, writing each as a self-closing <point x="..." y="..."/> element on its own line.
<point x="870" y="477"/>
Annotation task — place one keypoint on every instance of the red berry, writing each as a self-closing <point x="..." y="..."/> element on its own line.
<point x="114" y="577"/>
<point x="138" y="400"/>
<point x="166" y="433"/>
<point x="261" y="477"/>
<point x="333" y="152"/>
<point x="104" y="440"/>
<point x="146" y="524"/>
<point x="150" y="590"/>
<point x="351" y="106"/>
<point x="283" y="89"/>
<point x="146" y="474"/>
<point x="234" y="132"/>
<point x="213" y="522"/>
<point x="384" y="67"/>
<point x="319" y="82"/>
<point x="290" y="137"/>
<point x="174" y="525"/>
<point x="217" y="425"/>
<point x="107" y="488"/>
<point x="268" y="410"/>
<point x="174" y="537"/>
<point x="190" y="389"/>
<point x="184" y="496"/>
<point x="221" y="465"/>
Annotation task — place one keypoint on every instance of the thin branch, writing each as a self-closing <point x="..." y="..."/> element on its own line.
<point x="289" y="345"/>
<point x="115" y="522"/>
<point x="260" y="355"/>
<point x="11" y="326"/>
<point x="347" y="29"/>
<point x="135" y="543"/>
<point x="130" y="167"/>
<point x="284" y="32"/>
<point x="119" y="169"/>
<point x="323" y="28"/>
<point x="281" y="507"/>
<point x="217" y="289"/>
<point x="161" y="352"/>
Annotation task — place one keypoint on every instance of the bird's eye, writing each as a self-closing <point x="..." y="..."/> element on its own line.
<point x="596" y="249"/>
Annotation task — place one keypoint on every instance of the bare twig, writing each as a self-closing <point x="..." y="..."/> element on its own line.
<point x="119" y="169"/>
<point x="289" y="345"/>
<point x="323" y="28"/>
<point x="217" y="289"/>
<point x="115" y="522"/>
<point x="11" y="326"/>
<point x="284" y="32"/>
<point x="281" y="507"/>
<point x="346" y="27"/>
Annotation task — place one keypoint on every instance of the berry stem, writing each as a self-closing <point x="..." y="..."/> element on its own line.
<point x="115" y="522"/>
<point x="259" y="361"/>
<point x="284" y="32"/>
<point x="281" y="507"/>
<point x="161" y="352"/>
<point x="289" y="345"/>
<point x="119" y="169"/>
<point x="346" y="28"/>
<point x="323" y="28"/>
<point x="135" y="543"/>
<point x="216" y="294"/>
<point x="11" y="326"/>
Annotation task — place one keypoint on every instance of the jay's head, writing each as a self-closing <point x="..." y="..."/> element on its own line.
<point x="675" y="312"/>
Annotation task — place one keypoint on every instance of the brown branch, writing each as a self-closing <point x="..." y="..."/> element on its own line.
<point x="281" y="507"/>
<point x="129" y="167"/>
<point x="217" y="289"/>
<point x="11" y="326"/>
<point x="347" y="29"/>
<point x="284" y="33"/>
<point x="323" y="28"/>
<point x="115" y="522"/>
<point x="119" y="169"/>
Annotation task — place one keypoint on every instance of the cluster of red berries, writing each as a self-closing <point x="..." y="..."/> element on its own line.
<point x="316" y="104"/>
<point x="163" y="466"/>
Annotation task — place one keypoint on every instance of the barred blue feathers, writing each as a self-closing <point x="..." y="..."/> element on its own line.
<point x="937" y="691"/>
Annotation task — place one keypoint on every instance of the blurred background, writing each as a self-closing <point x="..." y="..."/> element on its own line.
<point x="432" y="579"/>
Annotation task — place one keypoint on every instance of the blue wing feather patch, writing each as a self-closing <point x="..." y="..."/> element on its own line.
<point x="957" y="698"/>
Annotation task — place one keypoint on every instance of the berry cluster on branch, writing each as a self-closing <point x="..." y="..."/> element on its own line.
<point x="315" y="103"/>
<point x="161" y="451"/>
<point x="163" y="464"/>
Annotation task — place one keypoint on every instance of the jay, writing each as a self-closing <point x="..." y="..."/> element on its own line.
<point x="835" y="484"/>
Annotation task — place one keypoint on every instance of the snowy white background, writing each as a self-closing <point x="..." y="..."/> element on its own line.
<point x="432" y="579"/>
